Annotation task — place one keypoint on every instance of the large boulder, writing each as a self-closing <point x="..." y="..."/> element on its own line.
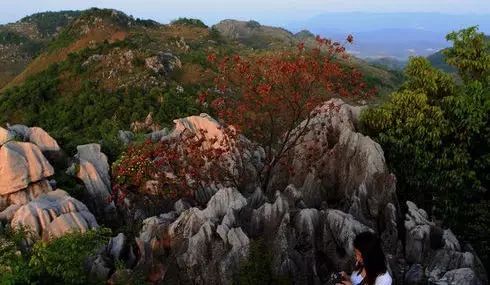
<point x="42" y="139"/>
<point x="20" y="165"/>
<point x="35" y="135"/>
<point x="217" y="137"/>
<point x="92" y="168"/>
<point x="54" y="214"/>
<point x="347" y="168"/>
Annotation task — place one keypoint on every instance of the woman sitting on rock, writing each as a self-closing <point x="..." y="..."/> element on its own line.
<point x="370" y="262"/>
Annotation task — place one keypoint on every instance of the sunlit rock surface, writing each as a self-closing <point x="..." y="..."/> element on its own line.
<point x="54" y="214"/>
<point x="21" y="163"/>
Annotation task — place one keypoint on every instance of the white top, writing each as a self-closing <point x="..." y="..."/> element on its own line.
<point x="383" y="279"/>
<point x="356" y="278"/>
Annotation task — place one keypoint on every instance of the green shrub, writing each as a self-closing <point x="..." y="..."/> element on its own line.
<point x="62" y="260"/>
<point x="253" y="24"/>
<point x="189" y="22"/>
<point x="48" y="23"/>
<point x="14" y="262"/>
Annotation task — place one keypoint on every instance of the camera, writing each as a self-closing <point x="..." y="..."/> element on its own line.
<point x="335" y="278"/>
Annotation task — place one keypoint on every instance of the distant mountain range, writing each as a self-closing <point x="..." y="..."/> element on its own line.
<point x="397" y="35"/>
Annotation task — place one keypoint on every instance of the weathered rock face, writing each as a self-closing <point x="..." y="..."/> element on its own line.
<point x="34" y="135"/>
<point x="350" y="168"/>
<point x="24" y="170"/>
<point x="21" y="164"/>
<point x="215" y="136"/>
<point x="54" y="214"/>
<point x="205" y="255"/>
<point x="43" y="140"/>
<point x="417" y="244"/>
<point x="309" y="226"/>
<point x="32" y="191"/>
<point x="163" y="63"/>
<point x="461" y="276"/>
<point x="440" y="251"/>
<point x="20" y="131"/>
<point x="92" y="168"/>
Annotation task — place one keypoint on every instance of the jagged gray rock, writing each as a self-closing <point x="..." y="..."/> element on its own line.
<point x="418" y="227"/>
<point x="446" y="260"/>
<point x="309" y="225"/>
<point x="415" y="275"/>
<point x="460" y="276"/>
<point x="126" y="137"/>
<point x="348" y="166"/>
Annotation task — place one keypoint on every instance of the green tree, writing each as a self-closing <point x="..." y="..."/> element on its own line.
<point x="470" y="54"/>
<point x="421" y="76"/>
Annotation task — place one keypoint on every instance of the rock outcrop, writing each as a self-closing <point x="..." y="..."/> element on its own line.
<point x="307" y="222"/>
<point x="43" y="140"/>
<point x="35" y="135"/>
<point x="445" y="261"/>
<point x="209" y="247"/>
<point x="309" y="225"/>
<point x="91" y="166"/>
<point x="20" y="165"/>
<point x="163" y="63"/>
<point x="348" y="168"/>
<point x="54" y="214"/>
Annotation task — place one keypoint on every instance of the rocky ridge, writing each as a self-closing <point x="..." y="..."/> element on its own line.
<point x="308" y="225"/>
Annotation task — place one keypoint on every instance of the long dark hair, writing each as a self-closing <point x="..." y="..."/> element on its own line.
<point x="374" y="261"/>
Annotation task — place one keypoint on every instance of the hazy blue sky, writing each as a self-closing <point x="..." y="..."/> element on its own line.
<point x="266" y="11"/>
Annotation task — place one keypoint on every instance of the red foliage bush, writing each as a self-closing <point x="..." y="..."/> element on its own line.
<point x="172" y="168"/>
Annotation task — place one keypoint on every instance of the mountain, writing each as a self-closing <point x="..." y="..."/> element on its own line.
<point x="255" y="35"/>
<point x="408" y="33"/>
<point x="104" y="70"/>
<point x="21" y="41"/>
<point x="390" y="63"/>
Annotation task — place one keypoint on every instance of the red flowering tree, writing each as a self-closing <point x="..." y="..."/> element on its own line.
<point x="173" y="168"/>
<point x="266" y="97"/>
